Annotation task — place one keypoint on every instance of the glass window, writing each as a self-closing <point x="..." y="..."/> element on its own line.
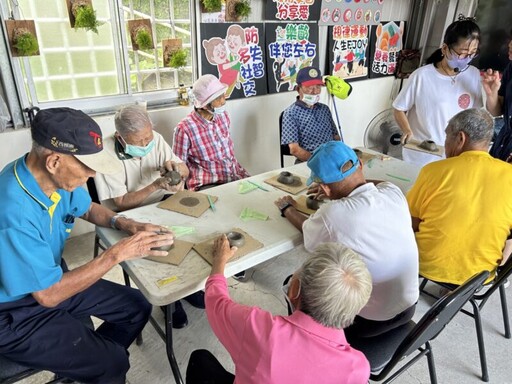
<point x="75" y="64"/>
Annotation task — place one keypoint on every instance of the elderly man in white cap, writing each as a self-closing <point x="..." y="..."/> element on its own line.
<point x="202" y="139"/>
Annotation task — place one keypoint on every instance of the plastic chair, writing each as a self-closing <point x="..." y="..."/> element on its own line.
<point x="11" y="372"/>
<point x="477" y="302"/>
<point x="283" y="148"/>
<point x="385" y="351"/>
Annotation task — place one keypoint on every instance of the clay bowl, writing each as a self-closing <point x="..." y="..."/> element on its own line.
<point x="429" y="145"/>
<point x="286" y="177"/>
<point x="166" y="248"/>
<point x="312" y="203"/>
<point x="236" y="239"/>
<point x="173" y="176"/>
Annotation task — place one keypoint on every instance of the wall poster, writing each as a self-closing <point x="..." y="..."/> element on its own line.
<point x="292" y="10"/>
<point x="349" y="12"/>
<point x="386" y="41"/>
<point x="235" y="54"/>
<point x="348" y="51"/>
<point x="290" y="47"/>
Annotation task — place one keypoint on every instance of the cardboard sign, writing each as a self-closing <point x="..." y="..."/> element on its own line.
<point x="235" y="53"/>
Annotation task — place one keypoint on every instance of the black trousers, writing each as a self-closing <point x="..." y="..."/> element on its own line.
<point x="54" y="339"/>
<point x="204" y="368"/>
<point x="368" y="328"/>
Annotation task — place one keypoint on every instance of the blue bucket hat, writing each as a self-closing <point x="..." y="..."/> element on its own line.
<point x="328" y="160"/>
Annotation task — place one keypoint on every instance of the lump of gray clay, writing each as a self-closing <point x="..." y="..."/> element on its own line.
<point x="286" y="178"/>
<point x="429" y="145"/>
<point x="236" y="239"/>
<point x="173" y="176"/>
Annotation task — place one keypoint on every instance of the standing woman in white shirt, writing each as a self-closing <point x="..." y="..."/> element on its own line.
<point x="434" y="93"/>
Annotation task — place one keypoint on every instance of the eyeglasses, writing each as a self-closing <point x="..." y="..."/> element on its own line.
<point x="465" y="55"/>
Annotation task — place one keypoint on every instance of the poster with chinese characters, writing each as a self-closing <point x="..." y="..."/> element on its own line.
<point x="386" y="41"/>
<point x="347" y="12"/>
<point x="292" y="10"/>
<point x="290" y="47"/>
<point x="348" y="51"/>
<point x="235" y="53"/>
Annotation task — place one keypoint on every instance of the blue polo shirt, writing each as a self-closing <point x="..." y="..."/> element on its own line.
<point x="309" y="127"/>
<point x="33" y="229"/>
<point x="502" y="147"/>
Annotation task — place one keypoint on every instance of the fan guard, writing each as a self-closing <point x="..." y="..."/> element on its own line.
<point x="383" y="134"/>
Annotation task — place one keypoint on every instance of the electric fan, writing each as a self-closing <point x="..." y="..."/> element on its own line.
<point x="383" y="134"/>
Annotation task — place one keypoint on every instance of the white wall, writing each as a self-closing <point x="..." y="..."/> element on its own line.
<point x="254" y="125"/>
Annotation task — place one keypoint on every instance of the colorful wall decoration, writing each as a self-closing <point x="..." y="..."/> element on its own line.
<point x="235" y="53"/>
<point x="348" y="51"/>
<point x="292" y="10"/>
<point x="386" y="41"/>
<point x="348" y="12"/>
<point x="290" y="47"/>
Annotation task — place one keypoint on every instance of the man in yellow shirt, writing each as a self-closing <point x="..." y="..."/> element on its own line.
<point x="461" y="207"/>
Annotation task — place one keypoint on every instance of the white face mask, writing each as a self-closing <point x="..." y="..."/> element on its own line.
<point x="310" y="99"/>
<point x="219" y="110"/>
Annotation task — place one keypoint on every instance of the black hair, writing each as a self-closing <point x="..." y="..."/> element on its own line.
<point x="464" y="28"/>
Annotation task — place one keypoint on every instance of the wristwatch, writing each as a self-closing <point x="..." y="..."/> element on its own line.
<point x="285" y="207"/>
<point x="114" y="219"/>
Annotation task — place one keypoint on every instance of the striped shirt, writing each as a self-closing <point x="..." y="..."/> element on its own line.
<point x="207" y="149"/>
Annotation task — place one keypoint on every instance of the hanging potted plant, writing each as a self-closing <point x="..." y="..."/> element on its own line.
<point x="174" y="56"/>
<point x="210" y="6"/>
<point x="22" y="37"/>
<point x="140" y="33"/>
<point x="83" y="15"/>
<point x="237" y="10"/>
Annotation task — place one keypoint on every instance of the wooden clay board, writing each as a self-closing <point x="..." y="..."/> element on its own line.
<point x="176" y="254"/>
<point x="205" y="248"/>
<point x="414" y="146"/>
<point x="173" y="203"/>
<point x="290" y="188"/>
<point x="302" y="207"/>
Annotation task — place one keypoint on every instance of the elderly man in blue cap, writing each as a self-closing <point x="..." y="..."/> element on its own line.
<point x="371" y="219"/>
<point x="307" y="123"/>
<point x="41" y="301"/>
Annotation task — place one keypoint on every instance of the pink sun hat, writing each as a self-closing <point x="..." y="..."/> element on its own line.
<point x="206" y="89"/>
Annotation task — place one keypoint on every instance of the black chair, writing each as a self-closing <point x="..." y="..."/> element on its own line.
<point x="284" y="148"/>
<point x="385" y="351"/>
<point x="477" y="302"/>
<point x="11" y="372"/>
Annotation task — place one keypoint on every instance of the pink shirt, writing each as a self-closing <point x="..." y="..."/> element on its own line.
<point x="280" y="349"/>
<point x="207" y="148"/>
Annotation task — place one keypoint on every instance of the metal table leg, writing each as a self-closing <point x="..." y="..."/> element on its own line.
<point x="167" y="338"/>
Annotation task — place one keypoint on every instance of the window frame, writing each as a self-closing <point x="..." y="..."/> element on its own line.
<point x="19" y="93"/>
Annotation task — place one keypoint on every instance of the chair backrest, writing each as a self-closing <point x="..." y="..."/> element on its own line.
<point x="502" y="275"/>
<point x="284" y="148"/>
<point x="91" y="186"/>
<point x="436" y="318"/>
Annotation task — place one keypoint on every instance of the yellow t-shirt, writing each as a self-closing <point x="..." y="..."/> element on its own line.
<point x="465" y="207"/>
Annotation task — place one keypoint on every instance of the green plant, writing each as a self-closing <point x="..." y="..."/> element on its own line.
<point x="25" y="42"/>
<point x="85" y="17"/>
<point x="178" y="58"/>
<point x="143" y="38"/>
<point x="212" y="5"/>
<point x="243" y="8"/>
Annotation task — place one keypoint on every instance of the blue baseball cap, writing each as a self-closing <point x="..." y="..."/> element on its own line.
<point x="328" y="160"/>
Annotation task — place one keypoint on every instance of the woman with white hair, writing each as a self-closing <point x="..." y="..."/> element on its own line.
<point x="203" y="141"/>
<point x="309" y="346"/>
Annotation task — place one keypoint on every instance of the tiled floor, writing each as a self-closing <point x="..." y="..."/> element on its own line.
<point x="455" y="350"/>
